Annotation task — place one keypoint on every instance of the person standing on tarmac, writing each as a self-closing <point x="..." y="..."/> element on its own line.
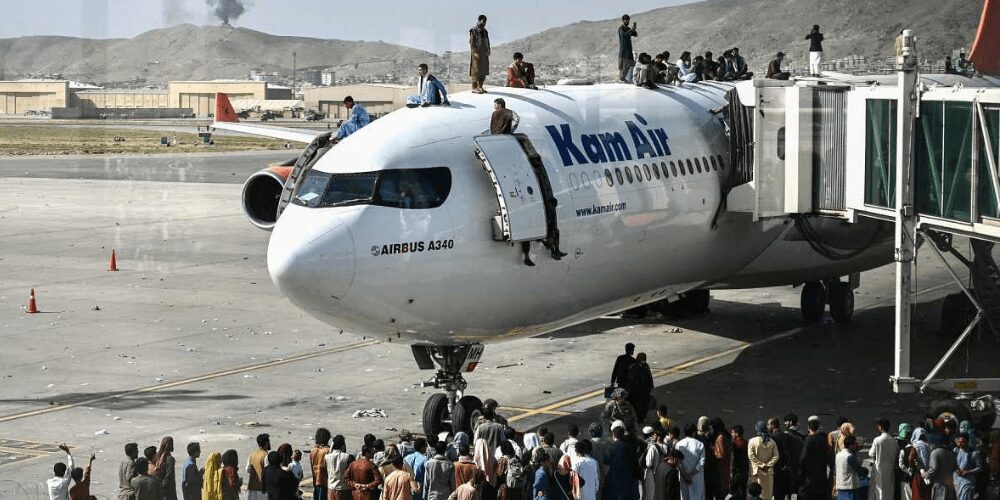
<point x="640" y="384"/>
<point x="619" y="374"/>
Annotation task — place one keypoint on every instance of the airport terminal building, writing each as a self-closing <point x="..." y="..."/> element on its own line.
<point x="71" y="100"/>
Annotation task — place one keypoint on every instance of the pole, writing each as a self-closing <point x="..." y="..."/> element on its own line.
<point x="906" y="217"/>
<point x="294" y="67"/>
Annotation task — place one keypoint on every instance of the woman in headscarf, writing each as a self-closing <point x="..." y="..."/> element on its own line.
<point x="904" y="473"/>
<point x="917" y="460"/>
<point x="231" y="481"/>
<point x="165" y="465"/>
<point x="721" y="448"/>
<point x="211" y="486"/>
<point x="707" y="438"/>
<point x="763" y="453"/>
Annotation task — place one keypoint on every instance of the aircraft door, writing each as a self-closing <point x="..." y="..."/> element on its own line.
<point x="522" y="214"/>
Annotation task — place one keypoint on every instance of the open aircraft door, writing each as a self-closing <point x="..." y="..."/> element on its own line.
<point x="522" y="215"/>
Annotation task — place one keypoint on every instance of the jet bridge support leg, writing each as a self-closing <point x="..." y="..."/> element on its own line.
<point x="906" y="217"/>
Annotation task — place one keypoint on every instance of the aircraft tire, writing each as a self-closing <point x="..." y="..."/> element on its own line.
<point x="466" y="412"/>
<point x="435" y="414"/>
<point x="813" y="301"/>
<point x="841" y="301"/>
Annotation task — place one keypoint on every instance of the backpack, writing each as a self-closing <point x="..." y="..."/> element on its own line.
<point x="515" y="474"/>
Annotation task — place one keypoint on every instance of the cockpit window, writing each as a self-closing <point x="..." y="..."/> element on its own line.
<point x="311" y="190"/>
<point x="397" y="188"/>
<point x="347" y="189"/>
<point x="413" y="188"/>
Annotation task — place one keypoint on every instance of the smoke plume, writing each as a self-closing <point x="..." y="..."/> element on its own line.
<point x="227" y="10"/>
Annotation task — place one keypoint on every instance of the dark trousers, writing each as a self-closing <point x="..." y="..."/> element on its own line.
<point x="319" y="492"/>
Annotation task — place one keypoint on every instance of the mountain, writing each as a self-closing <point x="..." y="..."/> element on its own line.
<point x="188" y="52"/>
<point x="763" y="27"/>
<point x="759" y="27"/>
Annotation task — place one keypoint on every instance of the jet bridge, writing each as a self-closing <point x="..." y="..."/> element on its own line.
<point x="919" y="151"/>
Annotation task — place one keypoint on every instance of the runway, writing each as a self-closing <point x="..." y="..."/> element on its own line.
<point x="191" y="339"/>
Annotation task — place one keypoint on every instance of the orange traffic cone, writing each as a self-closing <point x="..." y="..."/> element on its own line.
<point x="32" y="306"/>
<point x="113" y="263"/>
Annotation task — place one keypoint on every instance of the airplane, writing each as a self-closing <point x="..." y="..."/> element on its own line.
<point x="413" y="229"/>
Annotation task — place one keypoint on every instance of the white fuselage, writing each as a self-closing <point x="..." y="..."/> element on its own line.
<point x="437" y="276"/>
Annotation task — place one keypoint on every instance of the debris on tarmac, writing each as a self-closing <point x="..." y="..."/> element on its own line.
<point x="101" y="432"/>
<point x="675" y="330"/>
<point x="372" y="413"/>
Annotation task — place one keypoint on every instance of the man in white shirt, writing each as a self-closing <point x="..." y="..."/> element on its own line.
<point x="586" y="468"/>
<point x="567" y="446"/>
<point x="62" y="472"/>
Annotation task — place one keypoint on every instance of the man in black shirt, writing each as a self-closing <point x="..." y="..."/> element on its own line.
<point x="619" y="375"/>
<point x="815" y="50"/>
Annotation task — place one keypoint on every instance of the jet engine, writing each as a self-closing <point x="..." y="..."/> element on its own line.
<point x="262" y="194"/>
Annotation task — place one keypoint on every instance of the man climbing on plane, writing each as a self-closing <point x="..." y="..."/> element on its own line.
<point x="359" y="118"/>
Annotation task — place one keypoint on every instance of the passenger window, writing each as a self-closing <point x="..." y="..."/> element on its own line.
<point x="598" y="182"/>
<point x="673" y="169"/>
<point x="618" y="174"/>
<point x="649" y="176"/>
<point x="666" y="173"/>
<point x="697" y="163"/>
<point x="656" y="171"/>
<point x="573" y="182"/>
<point x="628" y="175"/>
<point x="638" y="173"/>
<point x="607" y="177"/>
<point x="690" y="166"/>
<point x="680" y="166"/>
<point x="585" y="179"/>
<point x="722" y="164"/>
<point x="715" y="166"/>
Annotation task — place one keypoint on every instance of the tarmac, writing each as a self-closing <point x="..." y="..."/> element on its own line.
<point x="190" y="338"/>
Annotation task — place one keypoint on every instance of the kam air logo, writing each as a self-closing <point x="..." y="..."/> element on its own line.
<point x="608" y="147"/>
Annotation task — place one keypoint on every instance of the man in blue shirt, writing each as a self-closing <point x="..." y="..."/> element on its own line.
<point x="416" y="462"/>
<point x="192" y="477"/>
<point x="430" y="90"/>
<point x="359" y="118"/>
<point x="540" y="487"/>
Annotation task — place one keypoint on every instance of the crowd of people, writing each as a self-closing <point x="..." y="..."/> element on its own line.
<point x="654" y="459"/>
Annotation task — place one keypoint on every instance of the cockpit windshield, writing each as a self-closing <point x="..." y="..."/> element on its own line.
<point x="398" y="188"/>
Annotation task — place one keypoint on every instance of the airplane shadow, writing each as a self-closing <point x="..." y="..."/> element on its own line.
<point x="823" y="369"/>
<point x="124" y="400"/>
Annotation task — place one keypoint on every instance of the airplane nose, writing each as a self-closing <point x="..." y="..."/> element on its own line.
<point x="311" y="258"/>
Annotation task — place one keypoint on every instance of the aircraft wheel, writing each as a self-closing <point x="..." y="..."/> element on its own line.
<point x="465" y="414"/>
<point x="435" y="414"/>
<point x="841" y="301"/>
<point x="813" y="301"/>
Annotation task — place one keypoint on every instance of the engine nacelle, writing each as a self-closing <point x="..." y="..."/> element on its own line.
<point x="262" y="194"/>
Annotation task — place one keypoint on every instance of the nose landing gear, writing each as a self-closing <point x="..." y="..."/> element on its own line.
<point x="452" y="411"/>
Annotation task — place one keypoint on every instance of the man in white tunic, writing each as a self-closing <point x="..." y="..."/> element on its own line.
<point x="884" y="454"/>
<point x="693" y="466"/>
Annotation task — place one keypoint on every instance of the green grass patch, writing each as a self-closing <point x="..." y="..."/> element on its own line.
<point x="56" y="140"/>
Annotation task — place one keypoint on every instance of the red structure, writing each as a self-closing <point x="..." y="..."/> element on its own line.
<point x="985" y="53"/>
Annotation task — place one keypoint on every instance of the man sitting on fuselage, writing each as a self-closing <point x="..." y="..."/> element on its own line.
<point x="430" y="90"/>
<point x="359" y="118"/>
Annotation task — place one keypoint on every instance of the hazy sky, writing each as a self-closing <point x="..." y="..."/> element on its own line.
<point x="435" y="25"/>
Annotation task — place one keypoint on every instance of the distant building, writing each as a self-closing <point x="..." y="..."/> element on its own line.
<point x="312" y="77"/>
<point x="259" y="75"/>
<point x="328" y="77"/>
<point x="376" y="98"/>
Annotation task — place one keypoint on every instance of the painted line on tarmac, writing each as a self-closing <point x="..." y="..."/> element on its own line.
<point x="191" y="380"/>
